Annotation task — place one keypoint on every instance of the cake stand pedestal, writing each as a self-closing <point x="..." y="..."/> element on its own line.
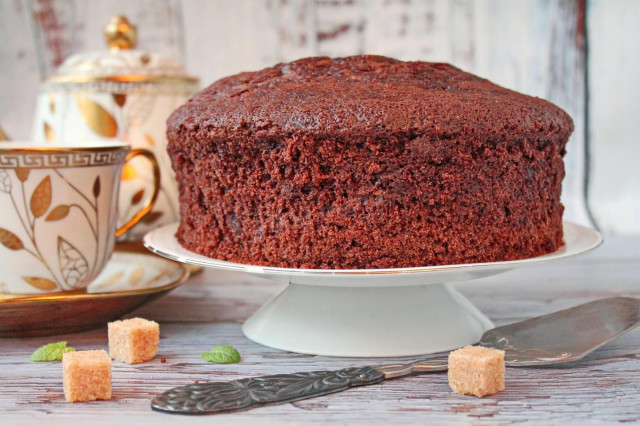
<point x="361" y="321"/>
<point x="369" y="312"/>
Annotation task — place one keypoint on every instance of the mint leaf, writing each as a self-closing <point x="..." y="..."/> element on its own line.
<point x="222" y="354"/>
<point x="50" y="352"/>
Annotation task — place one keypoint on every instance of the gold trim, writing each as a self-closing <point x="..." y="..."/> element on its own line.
<point x="125" y="78"/>
<point x="120" y="34"/>
<point x="156" y="189"/>
<point x="6" y="148"/>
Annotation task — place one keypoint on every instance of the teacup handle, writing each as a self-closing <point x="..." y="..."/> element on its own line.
<point x="156" y="189"/>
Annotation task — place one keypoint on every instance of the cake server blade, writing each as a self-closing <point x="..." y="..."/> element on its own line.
<point x="560" y="337"/>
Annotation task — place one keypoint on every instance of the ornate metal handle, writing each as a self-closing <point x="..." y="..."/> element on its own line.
<point x="428" y="365"/>
<point x="214" y="397"/>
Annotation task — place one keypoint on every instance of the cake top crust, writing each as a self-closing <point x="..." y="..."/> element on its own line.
<point x="363" y="95"/>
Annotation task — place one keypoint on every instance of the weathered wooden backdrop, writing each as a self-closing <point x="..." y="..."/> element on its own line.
<point x="582" y="55"/>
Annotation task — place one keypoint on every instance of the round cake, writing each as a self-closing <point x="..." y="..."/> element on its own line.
<point x="367" y="162"/>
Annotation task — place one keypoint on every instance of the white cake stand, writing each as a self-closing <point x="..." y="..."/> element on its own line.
<point x="369" y="312"/>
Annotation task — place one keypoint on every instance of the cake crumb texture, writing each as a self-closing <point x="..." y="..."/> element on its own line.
<point x="367" y="162"/>
<point x="133" y="340"/>
<point x="475" y="370"/>
<point x="86" y="375"/>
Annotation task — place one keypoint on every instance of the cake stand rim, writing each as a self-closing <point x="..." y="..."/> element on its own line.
<point x="180" y="254"/>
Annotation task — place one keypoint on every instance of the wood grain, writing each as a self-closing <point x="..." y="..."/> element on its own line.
<point x="208" y="310"/>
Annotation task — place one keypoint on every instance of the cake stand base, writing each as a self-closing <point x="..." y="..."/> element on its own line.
<point x="367" y="321"/>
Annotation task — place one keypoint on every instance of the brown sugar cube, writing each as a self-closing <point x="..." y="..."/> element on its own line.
<point x="133" y="340"/>
<point x="474" y="370"/>
<point x="86" y="375"/>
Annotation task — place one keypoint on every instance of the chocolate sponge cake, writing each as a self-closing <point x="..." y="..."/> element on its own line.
<point x="367" y="162"/>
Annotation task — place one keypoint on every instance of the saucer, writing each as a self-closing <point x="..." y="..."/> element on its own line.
<point x="131" y="278"/>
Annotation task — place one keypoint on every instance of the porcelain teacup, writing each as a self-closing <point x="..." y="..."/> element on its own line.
<point x="58" y="212"/>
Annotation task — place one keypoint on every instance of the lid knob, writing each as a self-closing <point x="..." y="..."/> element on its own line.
<point x="120" y="34"/>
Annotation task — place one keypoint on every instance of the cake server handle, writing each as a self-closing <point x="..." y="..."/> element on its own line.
<point x="243" y="394"/>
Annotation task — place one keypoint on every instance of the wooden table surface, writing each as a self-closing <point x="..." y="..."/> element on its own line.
<point x="210" y="307"/>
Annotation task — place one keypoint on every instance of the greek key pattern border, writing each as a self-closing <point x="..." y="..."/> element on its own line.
<point x="47" y="160"/>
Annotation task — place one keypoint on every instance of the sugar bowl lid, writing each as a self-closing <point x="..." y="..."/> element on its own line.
<point x="122" y="62"/>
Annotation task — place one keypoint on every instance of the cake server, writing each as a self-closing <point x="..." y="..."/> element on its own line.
<point x="556" y="338"/>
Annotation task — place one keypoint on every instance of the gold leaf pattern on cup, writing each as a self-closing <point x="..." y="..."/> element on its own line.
<point x="49" y="133"/>
<point x="5" y="182"/>
<point x="96" y="117"/>
<point x="52" y="103"/>
<point x="44" y="284"/>
<point x="10" y="240"/>
<point x="137" y="197"/>
<point x="22" y="174"/>
<point x="96" y="187"/>
<point x="41" y="198"/>
<point x="73" y="264"/>
<point x="120" y="99"/>
<point x="58" y="213"/>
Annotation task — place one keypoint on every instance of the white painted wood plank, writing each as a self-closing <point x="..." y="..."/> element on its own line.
<point x="339" y="28"/>
<point x="224" y="38"/>
<point x="614" y="93"/>
<point x="18" y="70"/>
<point x="65" y="27"/>
<point x="53" y="25"/>
<point x="408" y="31"/>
